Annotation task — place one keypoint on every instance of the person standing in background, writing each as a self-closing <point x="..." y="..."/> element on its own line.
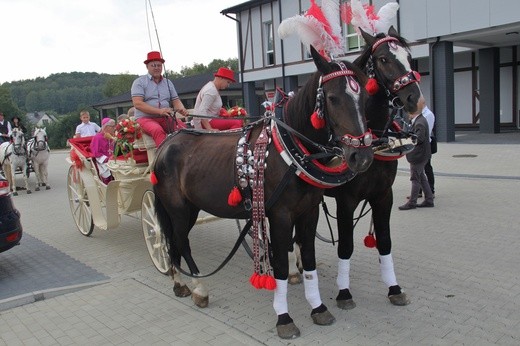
<point x="428" y="169"/>
<point x="417" y="159"/>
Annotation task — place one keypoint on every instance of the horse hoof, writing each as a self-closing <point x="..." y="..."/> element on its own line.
<point x="288" y="331"/>
<point x="37" y="189"/>
<point x="181" y="291"/>
<point x="47" y="187"/>
<point x="294" y="279"/>
<point x="200" y="301"/>
<point x="347" y="304"/>
<point x="29" y="192"/>
<point x="399" y="299"/>
<point x="324" y="318"/>
<point x="15" y="193"/>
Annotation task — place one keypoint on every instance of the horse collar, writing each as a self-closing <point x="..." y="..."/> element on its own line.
<point x="294" y="153"/>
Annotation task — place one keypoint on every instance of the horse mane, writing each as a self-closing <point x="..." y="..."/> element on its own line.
<point x="300" y="107"/>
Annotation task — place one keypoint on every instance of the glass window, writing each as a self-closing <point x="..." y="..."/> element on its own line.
<point x="354" y="42"/>
<point x="269" y="43"/>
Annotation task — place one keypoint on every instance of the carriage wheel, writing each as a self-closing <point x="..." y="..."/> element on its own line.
<point x="79" y="205"/>
<point x="153" y="237"/>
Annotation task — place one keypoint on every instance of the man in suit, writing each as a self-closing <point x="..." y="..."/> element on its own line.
<point x="418" y="158"/>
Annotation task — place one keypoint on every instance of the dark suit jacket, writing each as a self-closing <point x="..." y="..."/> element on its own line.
<point x="422" y="151"/>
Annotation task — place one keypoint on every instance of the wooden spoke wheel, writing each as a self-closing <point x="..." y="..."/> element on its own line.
<point x="153" y="237"/>
<point x="79" y="204"/>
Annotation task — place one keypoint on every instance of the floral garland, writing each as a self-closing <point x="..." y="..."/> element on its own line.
<point x="127" y="131"/>
<point x="235" y="111"/>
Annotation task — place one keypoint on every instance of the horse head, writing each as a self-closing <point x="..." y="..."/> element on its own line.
<point x="18" y="140"/>
<point x="338" y="113"/>
<point x="387" y="58"/>
<point x="40" y="139"/>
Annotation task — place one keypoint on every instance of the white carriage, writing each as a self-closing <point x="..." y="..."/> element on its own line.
<point x="93" y="203"/>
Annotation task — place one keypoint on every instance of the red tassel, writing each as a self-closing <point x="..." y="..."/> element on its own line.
<point x="255" y="281"/>
<point x="372" y="86"/>
<point x="261" y="281"/>
<point x="153" y="178"/>
<point x="370" y="241"/>
<point x="417" y="75"/>
<point x="316" y="121"/>
<point x="235" y="197"/>
<point x="270" y="283"/>
<point x="76" y="159"/>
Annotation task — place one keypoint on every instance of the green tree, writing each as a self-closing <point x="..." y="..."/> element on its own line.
<point x="7" y="105"/>
<point x="117" y="85"/>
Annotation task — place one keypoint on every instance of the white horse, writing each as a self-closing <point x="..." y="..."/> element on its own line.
<point x="39" y="152"/>
<point x="13" y="155"/>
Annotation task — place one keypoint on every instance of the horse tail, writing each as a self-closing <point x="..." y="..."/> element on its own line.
<point x="166" y="227"/>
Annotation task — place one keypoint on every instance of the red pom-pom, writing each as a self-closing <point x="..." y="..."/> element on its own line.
<point x="372" y="86"/>
<point x="316" y="121"/>
<point x="235" y="197"/>
<point x="255" y="281"/>
<point x="370" y="241"/>
<point x="261" y="280"/>
<point x="270" y="283"/>
<point x="153" y="178"/>
<point x="76" y="159"/>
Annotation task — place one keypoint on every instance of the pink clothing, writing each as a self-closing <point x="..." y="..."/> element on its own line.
<point x="226" y="124"/>
<point x="158" y="127"/>
<point x="100" y="146"/>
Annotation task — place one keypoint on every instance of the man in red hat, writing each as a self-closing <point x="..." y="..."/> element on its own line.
<point x="209" y="103"/>
<point x="155" y="100"/>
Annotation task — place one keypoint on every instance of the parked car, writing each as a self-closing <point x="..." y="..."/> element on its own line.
<point x="10" y="224"/>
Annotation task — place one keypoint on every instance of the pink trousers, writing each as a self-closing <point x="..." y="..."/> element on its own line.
<point x="158" y="128"/>
<point x="226" y="124"/>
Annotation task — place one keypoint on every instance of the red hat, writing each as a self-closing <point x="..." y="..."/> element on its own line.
<point x="154" y="56"/>
<point x="226" y="73"/>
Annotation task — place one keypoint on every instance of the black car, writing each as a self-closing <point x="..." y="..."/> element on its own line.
<point x="10" y="225"/>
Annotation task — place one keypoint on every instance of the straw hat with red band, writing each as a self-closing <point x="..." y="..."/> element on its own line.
<point x="154" y="56"/>
<point x="226" y="73"/>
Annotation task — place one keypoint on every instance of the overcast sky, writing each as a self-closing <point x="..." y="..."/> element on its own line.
<point x="42" y="37"/>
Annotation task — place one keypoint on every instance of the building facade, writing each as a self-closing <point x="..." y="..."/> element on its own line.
<point x="466" y="52"/>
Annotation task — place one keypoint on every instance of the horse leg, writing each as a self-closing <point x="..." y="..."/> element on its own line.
<point x="45" y="175"/>
<point x="345" y="207"/>
<point x="381" y="211"/>
<point x="26" y="179"/>
<point x="295" y="267"/>
<point x="307" y="234"/>
<point x="11" y="177"/>
<point x="281" y="234"/>
<point x="37" y="173"/>
<point x="180" y="289"/>
<point x="200" y="294"/>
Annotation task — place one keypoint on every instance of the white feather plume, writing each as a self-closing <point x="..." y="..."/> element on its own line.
<point x="330" y="9"/>
<point x="360" y="18"/>
<point x="386" y="14"/>
<point x="310" y="32"/>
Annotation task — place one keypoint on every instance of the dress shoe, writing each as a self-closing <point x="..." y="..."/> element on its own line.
<point x="407" y="206"/>
<point x="418" y="196"/>
<point x="425" y="205"/>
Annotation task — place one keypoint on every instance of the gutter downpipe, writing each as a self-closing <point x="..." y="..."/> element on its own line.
<point x="240" y="57"/>
<point x="281" y="46"/>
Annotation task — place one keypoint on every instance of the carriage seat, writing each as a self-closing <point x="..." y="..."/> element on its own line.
<point x="82" y="145"/>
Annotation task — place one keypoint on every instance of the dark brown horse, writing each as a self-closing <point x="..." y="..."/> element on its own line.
<point x="194" y="172"/>
<point x="387" y="59"/>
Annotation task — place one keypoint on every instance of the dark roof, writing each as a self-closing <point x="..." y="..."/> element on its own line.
<point x="245" y="6"/>
<point x="184" y="86"/>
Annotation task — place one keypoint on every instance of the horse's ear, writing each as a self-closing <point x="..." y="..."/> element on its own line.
<point x="369" y="39"/>
<point x="393" y="32"/>
<point x="320" y="62"/>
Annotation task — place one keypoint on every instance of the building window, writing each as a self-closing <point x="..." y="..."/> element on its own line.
<point x="354" y="42"/>
<point x="269" y="43"/>
<point x="45" y="122"/>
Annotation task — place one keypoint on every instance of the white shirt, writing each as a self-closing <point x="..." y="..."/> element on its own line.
<point x="208" y="103"/>
<point x="88" y="129"/>
<point x="430" y="118"/>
